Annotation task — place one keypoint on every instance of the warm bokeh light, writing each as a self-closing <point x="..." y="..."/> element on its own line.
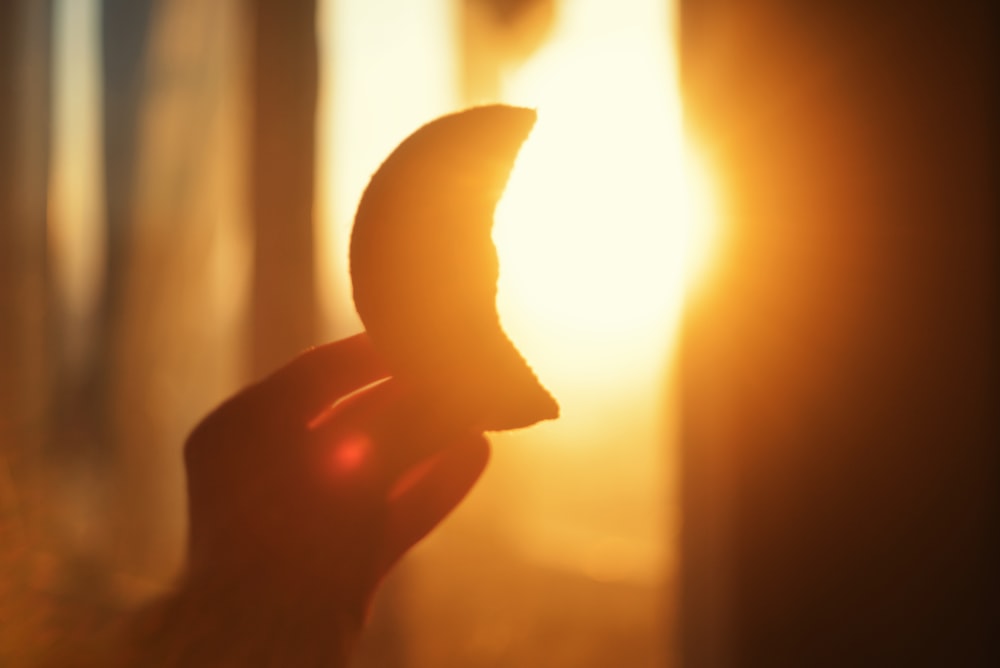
<point x="76" y="204"/>
<point x="390" y="67"/>
<point x="700" y="216"/>
<point x="607" y="217"/>
<point x="607" y="220"/>
<point x="607" y="212"/>
<point x="349" y="454"/>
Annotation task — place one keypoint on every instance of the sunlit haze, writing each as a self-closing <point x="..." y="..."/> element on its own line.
<point x="76" y="205"/>
<point x="606" y="219"/>
<point x="601" y="222"/>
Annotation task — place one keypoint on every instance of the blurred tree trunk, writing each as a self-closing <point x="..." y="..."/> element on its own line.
<point x="25" y="29"/>
<point x="125" y="31"/>
<point x="839" y="372"/>
<point x="179" y="297"/>
<point x="283" y="92"/>
<point x="25" y="38"/>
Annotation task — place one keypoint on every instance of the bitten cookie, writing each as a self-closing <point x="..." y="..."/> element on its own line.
<point x="424" y="268"/>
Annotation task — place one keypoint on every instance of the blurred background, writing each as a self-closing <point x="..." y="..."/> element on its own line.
<point x="180" y="183"/>
<point x="750" y="246"/>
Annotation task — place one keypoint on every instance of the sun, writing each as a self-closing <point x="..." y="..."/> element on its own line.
<point x="608" y="214"/>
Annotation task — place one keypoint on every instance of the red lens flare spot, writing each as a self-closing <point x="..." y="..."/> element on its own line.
<point x="350" y="454"/>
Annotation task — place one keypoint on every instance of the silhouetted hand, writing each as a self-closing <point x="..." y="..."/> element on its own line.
<point x="298" y="508"/>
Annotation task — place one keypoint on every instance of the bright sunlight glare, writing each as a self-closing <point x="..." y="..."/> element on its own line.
<point x="607" y="220"/>
<point x="607" y="212"/>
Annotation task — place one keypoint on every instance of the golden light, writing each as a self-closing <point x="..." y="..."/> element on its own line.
<point x="389" y="67"/>
<point x="700" y="216"/>
<point x="607" y="220"/>
<point x="76" y="205"/>
<point x="607" y="213"/>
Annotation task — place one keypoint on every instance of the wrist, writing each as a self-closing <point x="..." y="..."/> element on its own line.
<point x="210" y="621"/>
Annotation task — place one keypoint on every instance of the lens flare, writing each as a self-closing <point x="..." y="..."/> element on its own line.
<point x="350" y="454"/>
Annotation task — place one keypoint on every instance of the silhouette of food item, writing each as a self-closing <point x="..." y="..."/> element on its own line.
<point x="424" y="268"/>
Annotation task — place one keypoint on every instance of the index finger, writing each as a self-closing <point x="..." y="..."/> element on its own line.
<point x="320" y="376"/>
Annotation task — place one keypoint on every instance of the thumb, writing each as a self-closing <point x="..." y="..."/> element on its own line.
<point x="426" y="494"/>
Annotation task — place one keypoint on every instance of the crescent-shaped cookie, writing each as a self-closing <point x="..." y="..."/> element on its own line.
<point x="424" y="268"/>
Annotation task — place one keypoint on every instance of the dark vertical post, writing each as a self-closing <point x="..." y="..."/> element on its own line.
<point x="125" y="34"/>
<point x="283" y="88"/>
<point x="493" y="34"/>
<point x="25" y="29"/>
<point x="840" y="369"/>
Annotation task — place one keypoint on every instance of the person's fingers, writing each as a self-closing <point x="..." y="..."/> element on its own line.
<point x="427" y="494"/>
<point x="349" y="454"/>
<point x="320" y="376"/>
<point x="379" y="433"/>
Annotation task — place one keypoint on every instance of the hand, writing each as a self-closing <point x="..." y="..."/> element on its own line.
<point x="302" y="495"/>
